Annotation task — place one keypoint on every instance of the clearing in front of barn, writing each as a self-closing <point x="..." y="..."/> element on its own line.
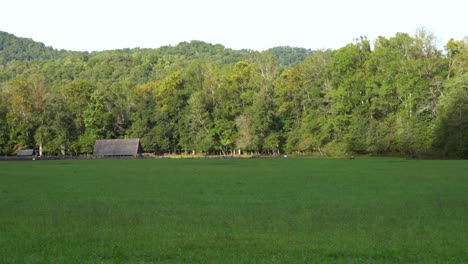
<point x="290" y="210"/>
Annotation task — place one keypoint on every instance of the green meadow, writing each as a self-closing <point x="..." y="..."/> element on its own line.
<point x="283" y="210"/>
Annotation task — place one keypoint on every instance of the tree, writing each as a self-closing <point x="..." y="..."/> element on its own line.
<point x="404" y="96"/>
<point x="302" y="95"/>
<point x="451" y="126"/>
<point x="76" y="96"/>
<point x="170" y="100"/>
<point x="238" y="84"/>
<point x="246" y="140"/>
<point x="262" y="113"/>
<point x="119" y="105"/>
<point x="346" y="72"/>
<point x="233" y="97"/>
<point x="60" y="128"/>
<point x="4" y="139"/>
<point x="197" y="133"/>
<point x="22" y="119"/>
<point x="97" y="122"/>
<point x="457" y="53"/>
<point x="143" y="116"/>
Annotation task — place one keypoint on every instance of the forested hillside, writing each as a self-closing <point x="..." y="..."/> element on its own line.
<point x="403" y="96"/>
<point x="289" y="56"/>
<point x="14" y="48"/>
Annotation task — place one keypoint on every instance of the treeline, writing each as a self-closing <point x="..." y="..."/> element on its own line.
<point x="399" y="96"/>
<point x="13" y="48"/>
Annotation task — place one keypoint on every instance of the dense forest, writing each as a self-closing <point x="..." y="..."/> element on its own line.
<point x="394" y="96"/>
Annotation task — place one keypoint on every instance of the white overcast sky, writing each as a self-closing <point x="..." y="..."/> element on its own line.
<point x="253" y="24"/>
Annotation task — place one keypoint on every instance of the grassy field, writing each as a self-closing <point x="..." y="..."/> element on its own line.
<point x="289" y="210"/>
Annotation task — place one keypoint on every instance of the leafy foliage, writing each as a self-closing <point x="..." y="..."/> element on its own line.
<point x="403" y="97"/>
<point x="289" y="56"/>
<point x="19" y="49"/>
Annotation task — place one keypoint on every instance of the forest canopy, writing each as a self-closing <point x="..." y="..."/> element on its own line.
<point x="400" y="96"/>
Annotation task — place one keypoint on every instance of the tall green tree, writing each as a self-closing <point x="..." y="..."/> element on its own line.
<point x="22" y="116"/>
<point x="4" y="129"/>
<point x="451" y="125"/>
<point x="76" y="96"/>
<point x="97" y="121"/>
<point x="170" y="100"/>
<point x="234" y="96"/>
<point x="197" y="131"/>
<point x="264" y="127"/>
<point x="143" y="117"/>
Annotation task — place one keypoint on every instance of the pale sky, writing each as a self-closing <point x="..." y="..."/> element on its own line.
<point x="253" y="24"/>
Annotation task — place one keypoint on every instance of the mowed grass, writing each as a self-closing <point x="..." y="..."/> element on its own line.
<point x="289" y="210"/>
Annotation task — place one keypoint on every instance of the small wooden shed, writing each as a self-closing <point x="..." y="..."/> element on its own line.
<point x="117" y="147"/>
<point x="25" y="153"/>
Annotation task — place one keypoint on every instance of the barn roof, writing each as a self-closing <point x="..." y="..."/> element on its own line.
<point x="117" y="147"/>
<point x="25" y="152"/>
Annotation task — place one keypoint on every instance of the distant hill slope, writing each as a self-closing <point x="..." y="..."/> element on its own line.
<point x="15" y="48"/>
<point x="193" y="50"/>
<point x="289" y="56"/>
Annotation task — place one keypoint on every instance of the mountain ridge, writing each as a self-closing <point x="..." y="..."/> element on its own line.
<point x="13" y="48"/>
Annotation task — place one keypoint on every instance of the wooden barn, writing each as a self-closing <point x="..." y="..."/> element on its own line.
<point x="117" y="147"/>
<point x="25" y="153"/>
